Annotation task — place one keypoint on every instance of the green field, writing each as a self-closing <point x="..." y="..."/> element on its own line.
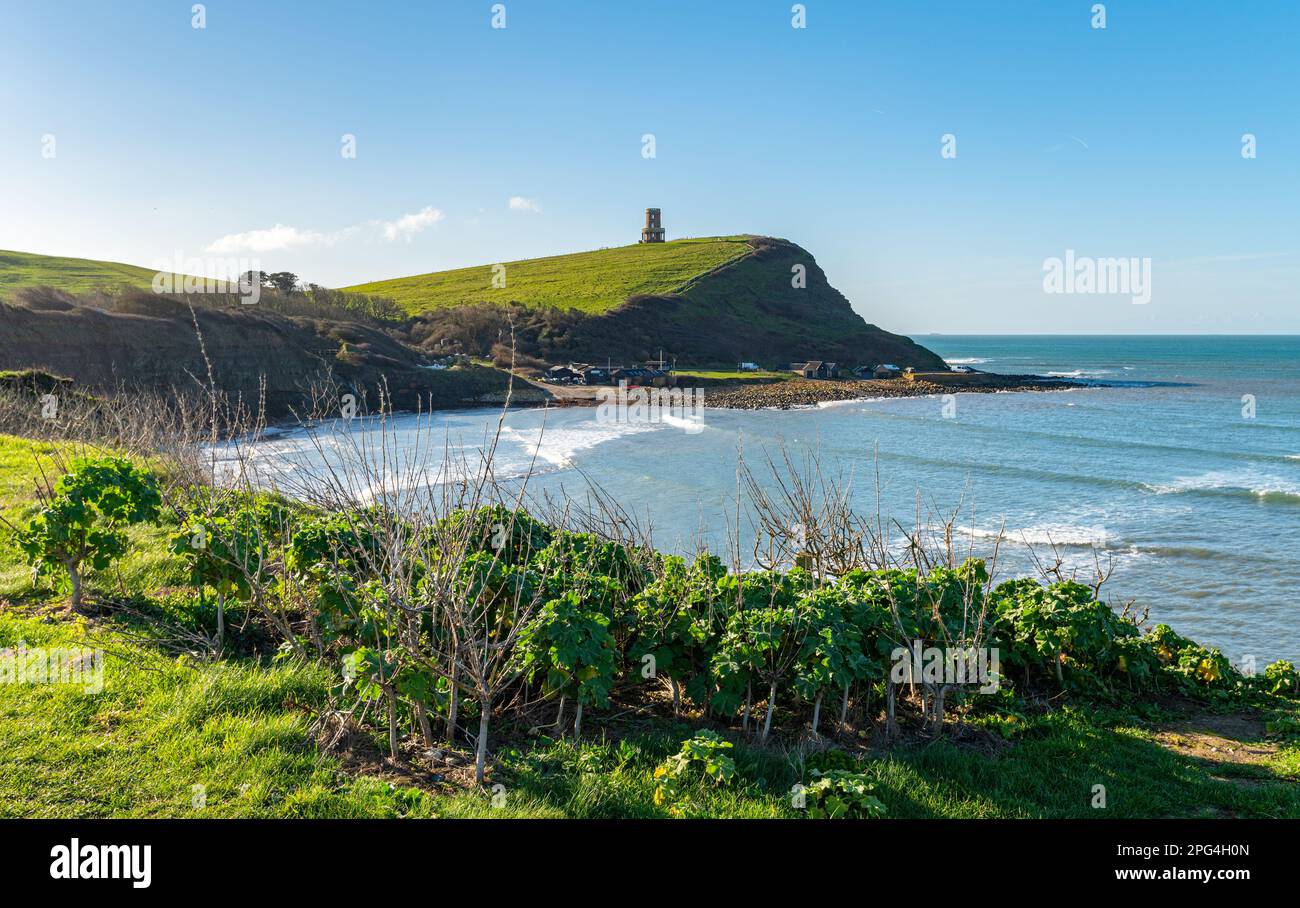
<point x="592" y="282"/>
<point x="26" y="269"/>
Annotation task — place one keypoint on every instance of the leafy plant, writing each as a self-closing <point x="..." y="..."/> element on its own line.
<point x="833" y="655"/>
<point x="85" y="515"/>
<point x="1280" y="677"/>
<point x="569" y="647"/>
<point x="1198" y="671"/>
<point x="1063" y="626"/>
<point x="763" y="638"/>
<point x="702" y="758"/>
<point x="839" y="794"/>
<point x="674" y="618"/>
<point x="226" y="553"/>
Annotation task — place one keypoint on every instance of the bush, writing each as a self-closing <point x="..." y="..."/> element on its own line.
<point x="1281" y="678"/>
<point x="569" y="646"/>
<point x="838" y="794"/>
<point x="1047" y="630"/>
<point x="85" y="515"/>
<point x="1198" y="671"/>
<point x="702" y="758"/>
<point x="228" y="554"/>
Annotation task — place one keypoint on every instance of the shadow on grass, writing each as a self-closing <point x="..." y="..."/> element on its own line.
<point x="1056" y="776"/>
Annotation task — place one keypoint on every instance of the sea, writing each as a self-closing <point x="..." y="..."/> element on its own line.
<point x="1175" y="471"/>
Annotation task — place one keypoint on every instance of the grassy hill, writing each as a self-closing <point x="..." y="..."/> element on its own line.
<point x="591" y="282"/>
<point x="702" y="302"/>
<point x="27" y="269"/>
<point x="707" y="301"/>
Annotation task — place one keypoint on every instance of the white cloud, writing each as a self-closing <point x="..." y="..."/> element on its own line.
<point x="273" y="239"/>
<point x="282" y="237"/>
<point x="519" y="203"/>
<point x="410" y="224"/>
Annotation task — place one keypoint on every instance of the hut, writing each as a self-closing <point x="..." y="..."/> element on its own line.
<point x="562" y="375"/>
<point x="815" y="368"/>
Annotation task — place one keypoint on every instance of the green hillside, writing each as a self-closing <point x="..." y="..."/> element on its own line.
<point x="592" y="282"/>
<point x="636" y="301"/>
<point x="624" y="303"/>
<point x="27" y="269"/>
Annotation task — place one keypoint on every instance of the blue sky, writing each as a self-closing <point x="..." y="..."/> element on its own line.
<point x="174" y="141"/>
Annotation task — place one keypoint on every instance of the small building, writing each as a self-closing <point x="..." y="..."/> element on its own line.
<point x="886" y="370"/>
<point x="562" y="375"/>
<point x="653" y="231"/>
<point x="593" y="375"/>
<point x="643" y="378"/>
<point x="746" y="367"/>
<point x="816" y="369"/>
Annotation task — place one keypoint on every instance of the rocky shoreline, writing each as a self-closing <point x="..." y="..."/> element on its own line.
<point x="787" y="395"/>
<point x="810" y="392"/>
<point x="804" y="392"/>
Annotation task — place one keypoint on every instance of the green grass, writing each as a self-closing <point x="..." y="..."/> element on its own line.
<point x="592" y="282"/>
<point x="161" y="726"/>
<point x="734" y="375"/>
<point x="26" y="269"/>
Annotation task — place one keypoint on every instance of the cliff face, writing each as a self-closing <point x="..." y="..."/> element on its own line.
<point x="151" y="342"/>
<point x="747" y="310"/>
<point x="750" y="311"/>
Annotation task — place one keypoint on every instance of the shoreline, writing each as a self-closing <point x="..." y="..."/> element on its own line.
<point x="781" y="394"/>
<point x="804" y="392"/>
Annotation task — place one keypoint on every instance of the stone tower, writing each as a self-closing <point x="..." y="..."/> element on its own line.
<point x="652" y="232"/>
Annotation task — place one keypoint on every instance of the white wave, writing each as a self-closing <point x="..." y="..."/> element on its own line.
<point x="371" y="462"/>
<point x="966" y="361"/>
<point x="1045" y="534"/>
<point x="828" y="404"/>
<point x="1251" y="482"/>
<point x="559" y="444"/>
<point x="692" y="425"/>
<point x="1081" y="373"/>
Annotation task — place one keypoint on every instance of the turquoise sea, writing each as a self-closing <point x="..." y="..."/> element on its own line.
<point x="1179" y="467"/>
